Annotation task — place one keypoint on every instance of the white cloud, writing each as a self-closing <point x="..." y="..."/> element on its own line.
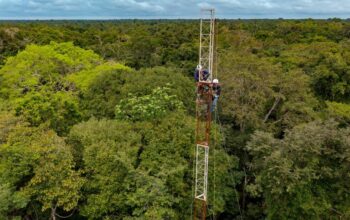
<point x="143" y="5"/>
<point x="204" y="5"/>
<point x="174" y="8"/>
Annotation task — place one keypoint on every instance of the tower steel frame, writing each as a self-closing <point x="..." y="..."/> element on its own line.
<point x="203" y="113"/>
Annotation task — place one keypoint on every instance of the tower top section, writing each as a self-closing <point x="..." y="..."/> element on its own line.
<point x="206" y="44"/>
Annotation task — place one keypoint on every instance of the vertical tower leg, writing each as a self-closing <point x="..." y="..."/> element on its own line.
<point x="200" y="209"/>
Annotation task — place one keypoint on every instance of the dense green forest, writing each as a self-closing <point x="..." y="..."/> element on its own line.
<point x="97" y="120"/>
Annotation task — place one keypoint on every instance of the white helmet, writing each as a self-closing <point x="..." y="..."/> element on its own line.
<point x="199" y="67"/>
<point x="215" y="81"/>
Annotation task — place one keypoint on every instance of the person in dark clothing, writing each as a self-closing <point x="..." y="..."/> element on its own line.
<point x="204" y="73"/>
<point x="196" y="75"/>
<point x="216" y="95"/>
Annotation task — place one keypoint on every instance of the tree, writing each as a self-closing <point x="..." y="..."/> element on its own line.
<point x="149" y="107"/>
<point x="85" y="78"/>
<point x="8" y="123"/>
<point x="109" y="153"/>
<point x="42" y="83"/>
<point x="143" y="170"/>
<point x="339" y="111"/>
<point x="34" y="84"/>
<point x="104" y="93"/>
<point x="259" y="94"/>
<point x="44" y="66"/>
<point x="37" y="166"/>
<point x="327" y="65"/>
<point x="108" y="89"/>
<point x="126" y="175"/>
<point x="60" y="110"/>
<point x="276" y="76"/>
<point x="306" y="172"/>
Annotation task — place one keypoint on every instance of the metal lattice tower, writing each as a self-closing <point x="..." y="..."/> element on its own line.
<point x="206" y="41"/>
<point x="203" y="113"/>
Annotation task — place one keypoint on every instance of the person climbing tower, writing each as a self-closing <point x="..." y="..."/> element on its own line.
<point x="216" y="94"/>
<point x="201" y="74"/>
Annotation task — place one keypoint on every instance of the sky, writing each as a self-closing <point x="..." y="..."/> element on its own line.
<point x="171" y="9"/>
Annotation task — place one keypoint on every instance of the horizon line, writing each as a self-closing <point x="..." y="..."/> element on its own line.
<point x="165" y="18"/>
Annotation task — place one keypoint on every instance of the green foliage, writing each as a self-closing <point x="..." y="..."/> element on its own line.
<point x="142" y="170"/>
<point x="85" y="78"/>
<point x="277" y="76"/>
<point x="59" y="109"/>
<point x="224" y="177"/>
<point x="340" y="111"/>
<point x="327" y="64"/>
<point x="306" y="172"/>
<point x="258" y="94"/>
<point x="44" y="66"/>
<point x="249" y="83"/>
<point x="8" y="123"/>
<point x="34" y="83"/>
<point x="42" y="83"/>
<point x="110" y="88"/>
<point x="149" y="107"/>
<point x="103" y="94"/>
<point x="36" y="165"/>
<point x="4" y="105"/>
<point x="140" y="44"/>
<point x="125" y="171"/>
